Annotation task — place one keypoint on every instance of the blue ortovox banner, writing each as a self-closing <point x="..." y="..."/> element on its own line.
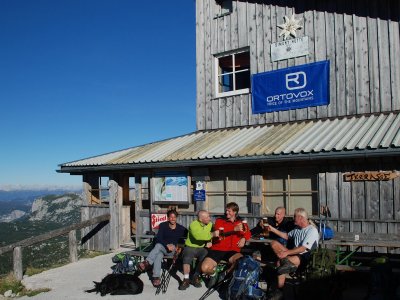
<point x="291" y="88"/>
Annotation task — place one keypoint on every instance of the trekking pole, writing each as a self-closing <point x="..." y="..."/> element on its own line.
<point x="166" y="275"/>
<point x="216" y="286"/>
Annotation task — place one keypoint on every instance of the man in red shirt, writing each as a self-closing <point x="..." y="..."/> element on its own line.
<point x="231" y="235"/>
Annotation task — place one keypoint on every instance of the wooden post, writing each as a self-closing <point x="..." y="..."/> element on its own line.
<point x="85" y="230"/>
<point x="114" y="221"/>
<point x="123" y="226"/>
<point x="73" y="250"/>
<point x="17" y="259"/>
<point x="138" y="208"/>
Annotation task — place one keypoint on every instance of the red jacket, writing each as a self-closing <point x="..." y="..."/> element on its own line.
<point x="229" y="243"/>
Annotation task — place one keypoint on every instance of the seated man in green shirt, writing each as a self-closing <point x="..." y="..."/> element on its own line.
<point x="199" y="237"/>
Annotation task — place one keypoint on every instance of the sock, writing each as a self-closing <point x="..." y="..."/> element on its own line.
<point x="186" y="276"/>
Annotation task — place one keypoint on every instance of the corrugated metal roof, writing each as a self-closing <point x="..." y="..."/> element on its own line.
<point x="338" y="135"/>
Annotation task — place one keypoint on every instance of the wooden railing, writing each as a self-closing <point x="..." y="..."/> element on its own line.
<point x="71" y="230"/>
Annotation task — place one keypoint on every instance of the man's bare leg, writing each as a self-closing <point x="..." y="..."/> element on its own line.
<point x="208" y="266"/>
<point x="232" y="261"/>
<point x="277" y="247"/>
<point x="186" y="269"/>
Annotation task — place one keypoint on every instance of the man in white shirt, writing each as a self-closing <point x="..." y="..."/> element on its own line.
<point x="302" y="240"/>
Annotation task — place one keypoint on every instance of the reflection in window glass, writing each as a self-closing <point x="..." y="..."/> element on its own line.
<point x="226" y="83"/>
<point x="242" y="80"/>
<point x="225" y="64"/>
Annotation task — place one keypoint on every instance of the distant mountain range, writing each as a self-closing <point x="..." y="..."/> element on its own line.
<point x="38" y="187"/>
<point x="40" y="214"/>
<point x="12" y="201"/>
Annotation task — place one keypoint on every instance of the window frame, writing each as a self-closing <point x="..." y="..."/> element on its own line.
<point x="288" y="192"/>
<point x="229" y="193"/>
<point x="100" y="194"/>
<point x="217" y="76"/>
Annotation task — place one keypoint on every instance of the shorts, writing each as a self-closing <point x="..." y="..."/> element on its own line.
<point x="189" y="253"/>
<point x="217" y="255"/>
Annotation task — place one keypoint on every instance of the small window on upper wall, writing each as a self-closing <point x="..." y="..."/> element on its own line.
<point x="225" y="7"/>
<point x="233" y="73"/>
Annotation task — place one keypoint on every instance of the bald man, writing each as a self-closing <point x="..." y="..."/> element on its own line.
<point x="279" y="222"/>
<point x="199" y="236"/>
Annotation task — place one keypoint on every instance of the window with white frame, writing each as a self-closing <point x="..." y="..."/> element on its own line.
<point x="233" y="73"/>
<point x="229" y="186"/>
<point x="291" y="190"/>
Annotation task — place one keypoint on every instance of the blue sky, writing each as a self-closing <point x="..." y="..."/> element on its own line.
<point x="85" y="77"/>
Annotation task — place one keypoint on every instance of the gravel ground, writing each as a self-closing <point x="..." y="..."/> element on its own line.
<point x="71" y="281"/>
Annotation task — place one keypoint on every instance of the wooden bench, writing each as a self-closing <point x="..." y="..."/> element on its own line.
<point x="388" y="240"/>
<point x="138" y="240"/>
<point x="354" y="242"/>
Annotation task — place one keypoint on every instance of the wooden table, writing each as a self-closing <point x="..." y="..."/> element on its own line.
<point x="258" y="241"/>
<point x="355" y="246"/>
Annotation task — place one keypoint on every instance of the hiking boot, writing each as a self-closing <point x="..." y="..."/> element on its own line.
<point x="196" y="282"/>
<point x="143" y="266"/>
<point x="156" y="281"/>
<point x="286" y="267"/>
<point x="184" y="285"/>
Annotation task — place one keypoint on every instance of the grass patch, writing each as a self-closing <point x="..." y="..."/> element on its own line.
<point x="31" y="293"/>
<point x="32" y="271"/>
<point x="10" y="283"/>
<point x="91" y="254"/>
<point x="83" y="254"/>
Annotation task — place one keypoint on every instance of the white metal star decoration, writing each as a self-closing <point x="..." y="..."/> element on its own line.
<point x="289" y="27"/>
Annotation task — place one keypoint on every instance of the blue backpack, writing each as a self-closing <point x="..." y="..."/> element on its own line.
<point x="244" y="283"/>
<point x="327" y="232"/>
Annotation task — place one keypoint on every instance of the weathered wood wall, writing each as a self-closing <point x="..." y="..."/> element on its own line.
<point x="361" y="206"/>
<point x="360" y="38"/>
<point x="98" y="236"/>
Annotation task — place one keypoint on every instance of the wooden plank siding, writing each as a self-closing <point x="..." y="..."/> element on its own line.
<point x="370" y="207"/>
<point x="100" y="241"/>
<point x="360" y="38"/>
<point x="200" y="63"/>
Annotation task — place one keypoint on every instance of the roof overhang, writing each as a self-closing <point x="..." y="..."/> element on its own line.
<point x="361" y="136"/>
